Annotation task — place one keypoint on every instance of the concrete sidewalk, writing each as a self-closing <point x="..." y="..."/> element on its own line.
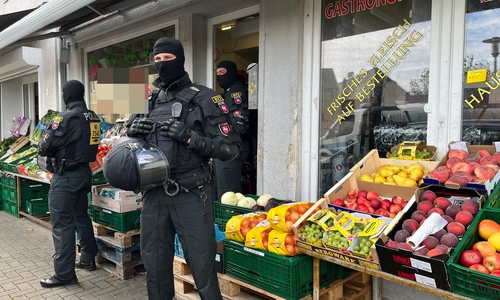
<point x="26" y="251"/>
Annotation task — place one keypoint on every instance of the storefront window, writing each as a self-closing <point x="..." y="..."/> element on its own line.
<point x="133" y="53"/>
<point x="481" y="106"/>
<point x="374" y="80"/>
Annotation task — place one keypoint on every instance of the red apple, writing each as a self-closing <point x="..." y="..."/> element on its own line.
<point x="353" y="193"/>
<point x="371" y="195"/>
<point x="338" y="202"/>
<point x="404" y="204"/>
<point x="381" y="212"/>
<point x="362" y="193"/>
<point x="492" y="261"/>
<point x="470" y="257"/>
<point x="362" y="207"/>
<point x="352" y="206"/>
<point x="397" y="200"/>
<point x="481" y="268"/>
<point x="350" y="199"/>
<point x="362" y="200"/>
<point x="376" y="203"/>
<point x="395" y="208"/>
<point x="386" y="204"/>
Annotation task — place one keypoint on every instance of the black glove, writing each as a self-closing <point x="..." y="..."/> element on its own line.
<point x="176" y="130"/>
<point x="142" y="126"/>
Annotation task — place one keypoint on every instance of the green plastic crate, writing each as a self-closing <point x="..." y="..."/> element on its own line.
<point x="493" y="200"/>
<point x="31" y="190"/>
<point x="10" y="208"/>
<point x="122" y="222"/>
<point x="11" y="181"/>
<point x="287" y="277"/>
<point x="36" y="207"/>
<point x="465" y="281"/>
<point x="99" y="178"/>
<point x="5" y="193"/>
<point x="1" y="204"/>
<point x="4" y="181"/>
<point x="224" y="212"/>
<point x="12" y="166"/>
<point x="12" y="194"/>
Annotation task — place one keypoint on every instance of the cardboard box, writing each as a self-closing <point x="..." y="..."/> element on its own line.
<point x="430" y="271"/>
<point x="488" y="185"/>
<point x="21" y="142"/>
<point x="124" y="201"/>
<point x="418" y="145"/>
<point x="372" y="162"/>
<point x="372" y="263"/>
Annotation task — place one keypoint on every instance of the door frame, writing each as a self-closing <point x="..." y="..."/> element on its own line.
<point x="251" y="10"/>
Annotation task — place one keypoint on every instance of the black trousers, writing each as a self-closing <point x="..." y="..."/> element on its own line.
<point x="228" y="174"/>
<point x="68" y="203"/>
<point x="192" y="219"/>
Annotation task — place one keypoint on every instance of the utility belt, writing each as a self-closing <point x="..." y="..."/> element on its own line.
<point x="187" y="181"/>
<point x="55" y="165"/>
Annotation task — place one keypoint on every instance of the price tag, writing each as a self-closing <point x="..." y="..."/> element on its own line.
<point x="425" y="280"/>
<point x="459" y="146"/>
<point x="421" y="265"/>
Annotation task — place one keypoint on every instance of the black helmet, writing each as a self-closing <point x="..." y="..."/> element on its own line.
<point x="134" y="165"/>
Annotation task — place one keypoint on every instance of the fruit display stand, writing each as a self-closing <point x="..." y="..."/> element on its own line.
<point x="465" y="281"/>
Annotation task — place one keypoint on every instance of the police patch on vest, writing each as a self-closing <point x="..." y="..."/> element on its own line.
<point x="223" y="107"/>
<point x="55" y="125"/>
<point x="95" y="133"/>
<point x="224" y="128"/>
<point x="217" y="99"/>
<point x="58" y="119"/>
<point x="236" y="97"/>
<point x="236" y="113"/>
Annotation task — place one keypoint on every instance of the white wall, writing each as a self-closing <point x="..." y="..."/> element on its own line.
<point x="11" y="105"/>
<point x="279" y="101"/>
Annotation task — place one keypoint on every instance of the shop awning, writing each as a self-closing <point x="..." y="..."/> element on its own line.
<point x="19" y="61"/>
<point x="62" y="14"/>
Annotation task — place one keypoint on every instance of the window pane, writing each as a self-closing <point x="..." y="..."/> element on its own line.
<point x="374" y="80"/>
<point x="133" y="53"/>
<point x="481" y="77"/>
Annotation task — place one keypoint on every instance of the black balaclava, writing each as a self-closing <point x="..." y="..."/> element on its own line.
<point x="73" y="91"/>
<point x="228" y="78"/>
<point x="173" y="70"/>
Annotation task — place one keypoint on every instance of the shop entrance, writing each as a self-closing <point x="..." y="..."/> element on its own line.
<point x="237" y="39"/>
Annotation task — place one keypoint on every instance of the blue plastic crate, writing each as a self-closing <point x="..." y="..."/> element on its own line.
<point x="219" y="236"/>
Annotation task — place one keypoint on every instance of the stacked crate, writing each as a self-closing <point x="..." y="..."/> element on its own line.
<point x="116" y="228"/>
<point x="34" y="197"/>
<point x="9" y="195"/>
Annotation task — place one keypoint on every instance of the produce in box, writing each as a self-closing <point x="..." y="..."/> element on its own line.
<point x="462" y="167"/>
<point x="284" y="216"/>
<point x="282" y="243"/>
<point x="17" y="156"/>
<point x="315" y="226"/>
<point x="257" y="237"/>
<point x="410" y="176"/>
<point x="39" y="130"/>
<point x="238" y="226"/>
<point x="370" y="202"/>
<point x="459" y="212"/>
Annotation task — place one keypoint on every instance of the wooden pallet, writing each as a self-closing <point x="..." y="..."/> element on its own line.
<point x="120" y="239"/>
<point x="355" y="287"/>
<point x="122" y="272"/>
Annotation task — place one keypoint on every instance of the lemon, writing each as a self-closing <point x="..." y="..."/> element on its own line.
<point x="366" y="177"/>
<point x="403" y="174"/>
<point x="409" y="182"/>
<point x="384" y="172"/>
<point x="398" y="179"/>
<point x="379" y="179"/>
<point x="416" y="174"/>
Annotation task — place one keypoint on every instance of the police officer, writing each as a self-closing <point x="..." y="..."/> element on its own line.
<point x="228" y="174"/>
<point x="186" y="122"/>
<point x="70" y="143"/>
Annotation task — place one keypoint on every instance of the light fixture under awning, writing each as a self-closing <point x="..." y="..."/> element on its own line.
<point x="39" y="18"/>
<point x="19" y="61"/>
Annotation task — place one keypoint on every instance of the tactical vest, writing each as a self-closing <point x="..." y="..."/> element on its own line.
<point x="180" y="158"/>
<point x="85" y="149"/>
